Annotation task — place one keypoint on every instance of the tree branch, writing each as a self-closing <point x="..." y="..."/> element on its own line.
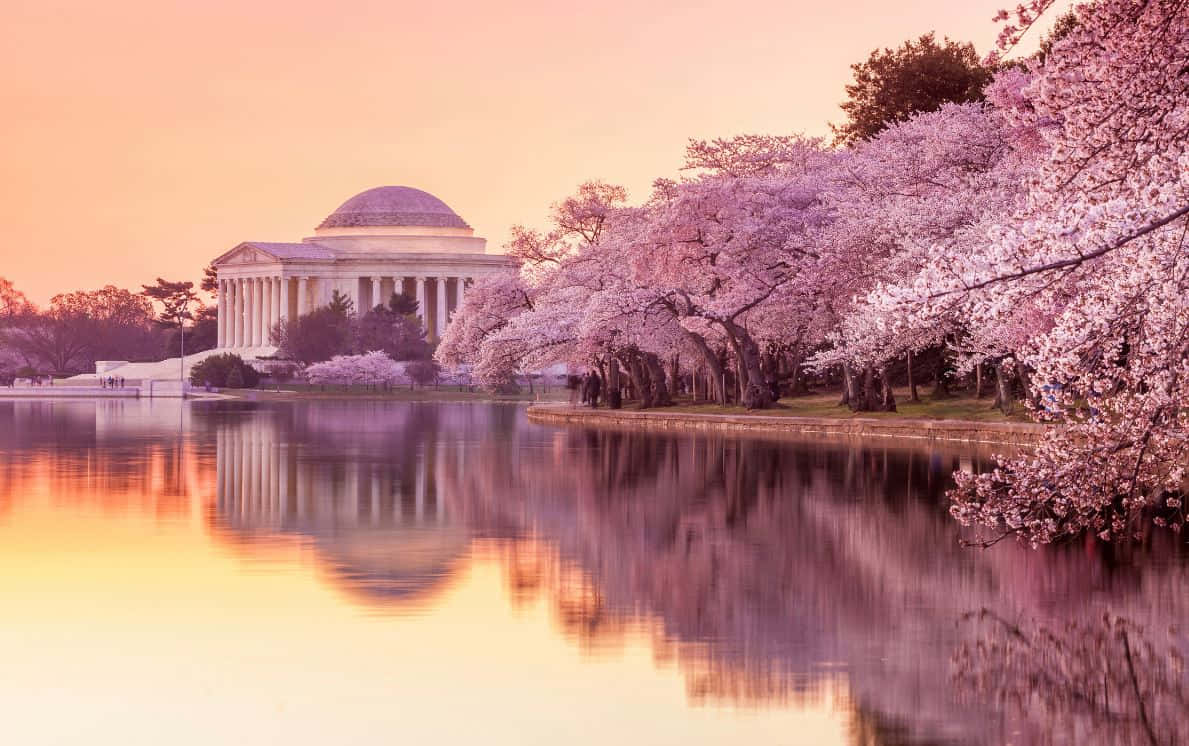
<point x="1075" y="261"/>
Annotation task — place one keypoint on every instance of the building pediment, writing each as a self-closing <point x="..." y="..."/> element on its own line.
<point x="244" y="254"/>
<point x="253" y="252"/>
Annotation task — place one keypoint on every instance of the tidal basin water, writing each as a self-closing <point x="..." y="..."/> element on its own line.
<point x="355" y="573"/>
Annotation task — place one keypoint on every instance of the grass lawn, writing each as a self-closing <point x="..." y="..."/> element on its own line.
<point x="960" y="406"/>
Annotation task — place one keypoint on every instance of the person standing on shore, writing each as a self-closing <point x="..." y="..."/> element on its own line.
<point x="593" y="385"/>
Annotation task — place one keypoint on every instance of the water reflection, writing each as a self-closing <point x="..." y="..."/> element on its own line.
<point x="111" y="454"/>
<point x="811" y="576"/>
<point x="773" y="565"/>
<point x="367" y="499"/>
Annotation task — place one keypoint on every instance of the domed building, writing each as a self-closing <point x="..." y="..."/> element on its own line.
<point x="387" y="240"/>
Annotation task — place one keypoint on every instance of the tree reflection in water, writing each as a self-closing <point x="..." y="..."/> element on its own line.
<point x="768" y="572"/>
<point x="1098" y="679"/>
<point x="773" y="566"/>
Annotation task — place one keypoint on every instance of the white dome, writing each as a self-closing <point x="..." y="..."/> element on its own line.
<point x="399" y="206"/>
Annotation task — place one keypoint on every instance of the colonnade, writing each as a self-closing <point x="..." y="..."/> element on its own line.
<point x="421" y="284"/>
<point x="249" y="307"/>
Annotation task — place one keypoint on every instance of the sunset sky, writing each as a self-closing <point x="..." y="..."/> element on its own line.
<point x="142" y="139"/>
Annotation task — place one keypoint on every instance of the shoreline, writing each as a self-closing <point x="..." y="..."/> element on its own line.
<point x="908" y="429"/>
<point x="419" y="396"/>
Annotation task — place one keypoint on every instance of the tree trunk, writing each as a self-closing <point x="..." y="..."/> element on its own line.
<point x="869" y="401"/>
<point x="755" y="394"/>
<point x="796" y="375"/>
<point x="715" y="365"/>
<point x="887" y="397"/>
<point x="614" y="394"/>
<point x="1026" y="384"/>
<point x="656" y="372"/>
<point x="872" y="392"/>
<point x="647" y="397"/>
<point x="912" y="382"/>
<point x="849" y="387"/>
<point x="636" y="372"/>
<point x="978" y="380"/>
<point x="1004" y="400"/>
<point x="941" y="388"/>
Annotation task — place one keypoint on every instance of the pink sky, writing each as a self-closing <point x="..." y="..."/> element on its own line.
<point x="141" y="138"/>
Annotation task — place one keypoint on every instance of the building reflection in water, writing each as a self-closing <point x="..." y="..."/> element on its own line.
<point x="367" y="500"/>
<point x="767" y="572"/>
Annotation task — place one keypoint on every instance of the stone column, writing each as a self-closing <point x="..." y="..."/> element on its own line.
<point x="222" y="311"/>
<point x="253" y="300"/>
<point x="237" y="316"/>
<point x="376" y="298"/>
<point x="274" y="307"/>
<point x="440" y="316"/>
<point x="246" y="286"/>
<point x="253" y="318"/>
<point x="273" y="288"/>
<point x="421" y="311"/>
<point x="283" y="313"/>
<point x="303" y="295"/>
<point x="245" y="327"/>
<point x="265" y="297"/>
<point x="265" y="309"/>
<point x="461" y="292"/>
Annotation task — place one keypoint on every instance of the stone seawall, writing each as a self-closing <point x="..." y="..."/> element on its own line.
<point x="956" y="431"/>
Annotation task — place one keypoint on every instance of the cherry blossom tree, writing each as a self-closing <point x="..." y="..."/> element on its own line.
<point x="1098" y="244"/>
<point x="903" y="201"/>
<point x="369" y="369"/>
<point x="483" y="335"/>
<point x="1041" y="232"/>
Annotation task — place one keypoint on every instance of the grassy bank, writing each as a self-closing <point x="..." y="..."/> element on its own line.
<point x="957" y="407"/>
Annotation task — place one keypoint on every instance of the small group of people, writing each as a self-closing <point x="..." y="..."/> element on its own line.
<point x="112" y="382"/>
<point x="590" y="386"/>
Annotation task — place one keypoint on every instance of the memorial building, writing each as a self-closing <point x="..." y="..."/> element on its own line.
<point x="383" y="241"/>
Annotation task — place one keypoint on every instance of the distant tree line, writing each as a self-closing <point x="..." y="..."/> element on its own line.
<point x="110" y="323"/>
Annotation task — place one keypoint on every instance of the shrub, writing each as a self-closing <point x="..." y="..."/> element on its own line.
<point x="224" y="371"/>
<point x="235" y="379"/>
<point x="423" y="372"/>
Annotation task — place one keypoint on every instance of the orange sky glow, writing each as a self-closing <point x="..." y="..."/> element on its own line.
<point x="143" y="139"/>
